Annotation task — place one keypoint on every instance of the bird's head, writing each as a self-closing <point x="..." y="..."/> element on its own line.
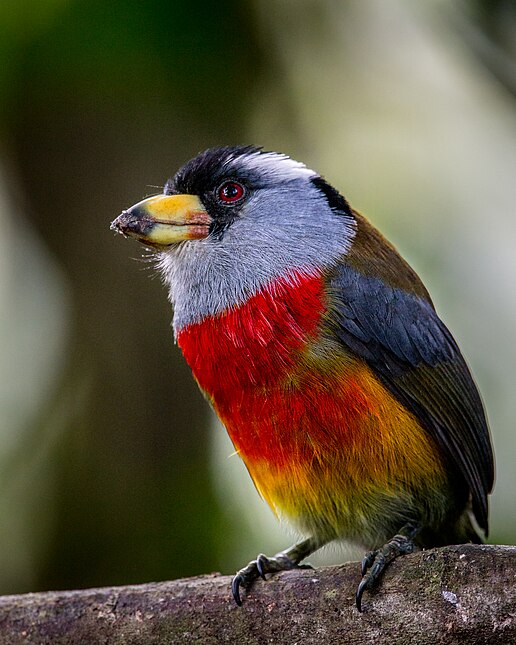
<point x="234" y="219"/>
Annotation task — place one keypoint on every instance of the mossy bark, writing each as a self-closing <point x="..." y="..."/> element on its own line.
<point x="459" y="594"/>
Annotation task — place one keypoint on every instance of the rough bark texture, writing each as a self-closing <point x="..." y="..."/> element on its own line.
<point x="459" y="594"/>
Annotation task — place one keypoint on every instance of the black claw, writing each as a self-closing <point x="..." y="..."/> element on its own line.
<point x="262" y="564"/>
<point x="360" y="592"/>
<point x="235" y="589"/>
<point x="368" y="561"/>
<point x="379" y="565"/>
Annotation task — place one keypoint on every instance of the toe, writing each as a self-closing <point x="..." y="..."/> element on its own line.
<point x="262" y="565"/>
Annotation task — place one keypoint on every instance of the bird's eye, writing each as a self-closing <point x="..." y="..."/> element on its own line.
<point x="230" y="192"/>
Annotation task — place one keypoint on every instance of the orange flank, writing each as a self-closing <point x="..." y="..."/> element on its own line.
<point x="326" y="444"/>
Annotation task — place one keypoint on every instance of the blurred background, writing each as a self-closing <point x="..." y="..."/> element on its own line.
<point x="112" y="468"/>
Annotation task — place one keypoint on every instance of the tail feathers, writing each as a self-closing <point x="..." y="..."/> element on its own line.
<point x="467" y="529"/>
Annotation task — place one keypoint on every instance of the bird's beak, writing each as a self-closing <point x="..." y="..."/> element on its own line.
<point x="164" y="220"/>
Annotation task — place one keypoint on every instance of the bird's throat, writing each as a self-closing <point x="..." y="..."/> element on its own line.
<point x="255" y="344"/>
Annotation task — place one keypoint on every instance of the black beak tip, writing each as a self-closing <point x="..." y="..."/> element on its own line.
<point x="132" y="223"/>
<point x="119" y="224"/>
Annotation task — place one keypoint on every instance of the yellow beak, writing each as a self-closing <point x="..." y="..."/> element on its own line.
<point x="164" y="220"/>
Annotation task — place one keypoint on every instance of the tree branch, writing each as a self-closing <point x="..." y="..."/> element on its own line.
<point x="458" y="594"/>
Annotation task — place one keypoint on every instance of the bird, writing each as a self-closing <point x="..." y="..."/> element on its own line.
<point x="320" y="350"/>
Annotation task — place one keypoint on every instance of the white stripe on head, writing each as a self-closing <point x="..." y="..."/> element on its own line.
<point x="272" y="165"/>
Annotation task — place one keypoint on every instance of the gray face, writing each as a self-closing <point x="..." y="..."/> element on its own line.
<point x="283" y="225"/>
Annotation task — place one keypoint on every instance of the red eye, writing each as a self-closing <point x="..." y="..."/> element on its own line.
<point x="230" y="192"/>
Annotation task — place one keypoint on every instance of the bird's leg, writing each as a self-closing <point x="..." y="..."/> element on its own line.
<point x="378" y="559"/>
<point x="283" y="561"/>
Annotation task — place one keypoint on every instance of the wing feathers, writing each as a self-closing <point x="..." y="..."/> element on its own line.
<point x="400" y="336"/>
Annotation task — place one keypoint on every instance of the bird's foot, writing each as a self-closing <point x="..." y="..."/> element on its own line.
<point x="259" y="568"/>
<point x="375" y="561"/>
